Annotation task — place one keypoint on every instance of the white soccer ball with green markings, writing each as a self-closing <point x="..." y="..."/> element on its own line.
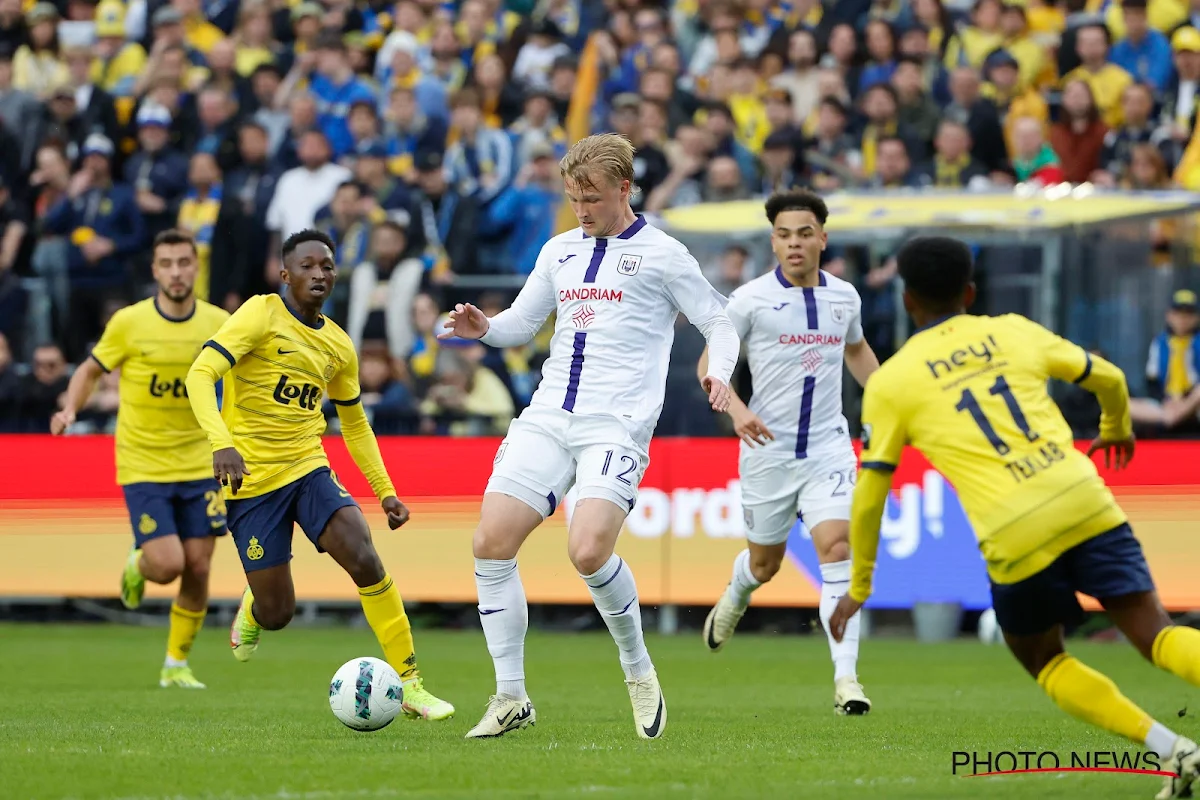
<point x="365" y="694"/>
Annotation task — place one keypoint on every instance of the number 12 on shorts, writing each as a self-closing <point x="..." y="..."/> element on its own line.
<point x="621" y="476"/>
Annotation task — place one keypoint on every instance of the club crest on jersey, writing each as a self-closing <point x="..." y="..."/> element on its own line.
<point x="628" y="265"/>
<point x="838" y="312"/>
<point x="748" y="518"/>
<point x="330" y="371"/>
<point x="500" y="453"/>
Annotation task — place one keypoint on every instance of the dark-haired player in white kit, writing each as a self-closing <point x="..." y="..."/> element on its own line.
<point x="798" y="324"/>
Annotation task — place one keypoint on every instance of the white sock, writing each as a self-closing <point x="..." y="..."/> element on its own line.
<point x="743" y="583"/>
<point x="615" y="594"/>
<point x="505" y="618"/>
<point x="169" y="662"/>
<point x="835" y="582"/>
<point x="1161" y="740"/>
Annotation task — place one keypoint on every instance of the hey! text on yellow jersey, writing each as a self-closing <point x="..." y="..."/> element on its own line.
<point x="970" y="393"/>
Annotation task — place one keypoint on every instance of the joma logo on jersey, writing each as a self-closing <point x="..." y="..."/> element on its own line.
<point x="165" y="388"/>
<point x="305" y="394"/>
<point x="589" y="293"/>
<point x="960" y="358"/>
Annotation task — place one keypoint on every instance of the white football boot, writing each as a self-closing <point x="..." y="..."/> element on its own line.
<point x="649" y="705"/>
<point x="503" y="714"/>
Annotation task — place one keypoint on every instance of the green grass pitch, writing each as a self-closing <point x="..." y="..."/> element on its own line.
<point x="84" y="718"/>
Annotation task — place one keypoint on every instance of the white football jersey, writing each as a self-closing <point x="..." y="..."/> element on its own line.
<point x="796" y="341"/>
<point x="616" y="300"/>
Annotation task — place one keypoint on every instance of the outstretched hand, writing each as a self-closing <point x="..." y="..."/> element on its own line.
<point x="466" y="322"/>
<point x="718" y="393"/>
<point x="397" y="512"/>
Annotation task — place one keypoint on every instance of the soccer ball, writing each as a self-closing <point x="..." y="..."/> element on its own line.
<point x="365" y="694"/>
<point x="989" y="629"/>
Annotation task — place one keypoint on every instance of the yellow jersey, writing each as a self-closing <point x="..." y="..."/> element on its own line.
<point x="1107" y="84"/>
<point x="970" y="393"/>
<point x="280" y="370"/>
<point x="158" y="439"/>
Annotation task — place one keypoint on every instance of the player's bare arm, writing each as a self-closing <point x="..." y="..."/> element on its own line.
<point x="746" y="424"/>
<point x="82" y="384"/>
<point x="861" y="360"/>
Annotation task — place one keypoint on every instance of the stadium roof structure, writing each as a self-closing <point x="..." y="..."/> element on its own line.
<point x="1022" y="211"/>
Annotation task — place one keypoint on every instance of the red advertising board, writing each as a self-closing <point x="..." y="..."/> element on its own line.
<point x="64" y="531"/>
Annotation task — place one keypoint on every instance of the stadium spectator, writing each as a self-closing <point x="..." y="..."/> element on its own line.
<point x="409" y="130"/>
<point x="447" y="218"/>
<point x="1179" y="100"/>
<point x="918" y="112"/>
<point x="389" y="403"/>
<point x="241" y="243"/>
<point x="1173" y="370"/>
<point x="10" y="388"/>
<point x="1030" y="54"/>
<point x="371" y="169"/>
<point x="158" y="172"/>
<point x="881" y="54"/>
<point x="347" y="221"/>
<point x="1078" y="136"/>
<point x="782" y="162"/>
<point x="104" y="229"/>
<point x="893" y="168"/>
<point x="37" y="65"/>
<point x="526" y="212"/>
<point x="833" y="152"/>
<point x="481" y="160"/>
<point x="198" y="214"/>
<point x="799" y="76"/>
<point x="13" y="30"/>
<point x="1144" y="52"/>
<point x="39" y="391"/>
<point x="301" y="192"/>
<point x="952" y="166"/>
<point x="383" y="290"/>
<point x="1011" y="100"/>
<point x="1107" y="80"/>
<point x="1034" y="160"/>
<point x="21" y="111"/>
<point x="969" y="107"/>
<point x="468" y="398"/>
<point x="1138" y="128"/>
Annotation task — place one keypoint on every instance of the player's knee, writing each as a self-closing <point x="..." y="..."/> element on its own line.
<point x="834" y="552"/>
<point x="491" y="542"/>
<point x="763" y="566"/>
<point x="589" y="554"/>
<point x="364" y="566"/>
<point x="162" y="565"/>
<point x="197" y="569"/>
<point x="272" y="614"/>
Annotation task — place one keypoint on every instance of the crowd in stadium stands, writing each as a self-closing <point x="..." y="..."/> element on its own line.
<point x="423" y="136"/>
